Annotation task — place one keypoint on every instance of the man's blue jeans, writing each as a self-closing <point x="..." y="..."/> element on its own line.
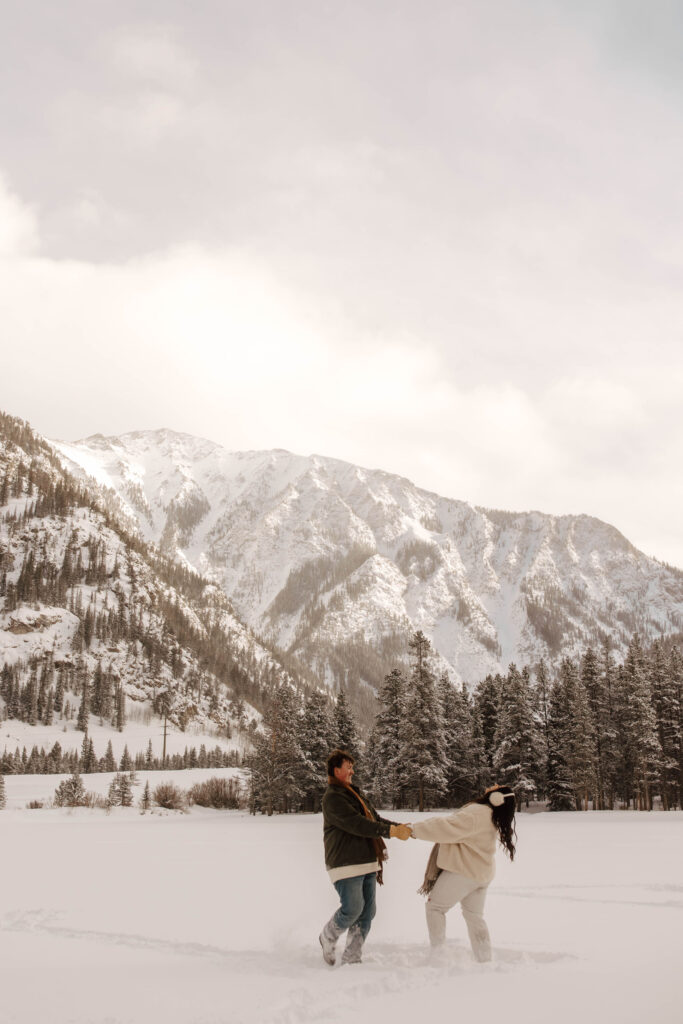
<point x="358" y="905"/>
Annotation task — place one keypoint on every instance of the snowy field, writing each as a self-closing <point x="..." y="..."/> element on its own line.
<point x="212" y="918"/>
<point x="136" y="736"/>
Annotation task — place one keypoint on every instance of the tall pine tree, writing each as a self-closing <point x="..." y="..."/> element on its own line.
<point x="424" y="752"/>
<point x="665" y="689"/>
<point x="515" y="754"/>
<point x="345" y="728"/>
<point x="462" y="744"/>
<point x="639" y="725"/>
<point x="316" y="736"/>
<point x="385" y="749"/>
<point x="278" y="762"/>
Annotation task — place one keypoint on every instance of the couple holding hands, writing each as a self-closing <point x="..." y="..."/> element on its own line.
<point x="459" y="870"/>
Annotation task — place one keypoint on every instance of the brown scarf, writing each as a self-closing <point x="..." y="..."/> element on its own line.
<point x="377" y="841"/>
<point x="432" y="872"/>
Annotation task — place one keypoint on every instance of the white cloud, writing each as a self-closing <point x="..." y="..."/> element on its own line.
<point x="213" y="342"/>
<point x="18" y="224"/>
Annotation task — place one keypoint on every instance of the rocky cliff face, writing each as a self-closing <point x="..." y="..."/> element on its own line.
<point x="336" y="564"/>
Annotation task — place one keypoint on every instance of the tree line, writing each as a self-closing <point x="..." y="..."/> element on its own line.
<point x="584" y="733"/>
<point x="57" y="761"/>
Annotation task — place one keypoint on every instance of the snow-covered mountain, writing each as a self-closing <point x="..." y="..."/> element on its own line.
<point x="335" y="563"/>
<point x="86" y="606"/>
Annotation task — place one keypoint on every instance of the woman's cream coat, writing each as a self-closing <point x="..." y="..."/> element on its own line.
<point x="467" y="841"/>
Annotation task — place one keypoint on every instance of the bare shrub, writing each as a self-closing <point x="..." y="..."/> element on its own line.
<point x="96" y="800"/>
<point x="217" y="792"/>
<point x="169" y="796"/>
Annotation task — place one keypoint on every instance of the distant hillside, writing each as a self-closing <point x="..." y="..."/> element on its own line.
<point x="89" y="609"/>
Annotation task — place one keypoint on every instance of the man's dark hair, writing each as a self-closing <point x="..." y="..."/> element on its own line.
<point x="336" y="760"/>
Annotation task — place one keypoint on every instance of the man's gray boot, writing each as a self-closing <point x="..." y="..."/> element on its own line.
<point x="328" y="940"/>
<point x="354" y="946"/>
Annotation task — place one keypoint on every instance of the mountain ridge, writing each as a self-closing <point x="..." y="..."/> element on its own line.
<point x="328" y="559"/>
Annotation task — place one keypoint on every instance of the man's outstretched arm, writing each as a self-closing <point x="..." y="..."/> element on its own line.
<point x="347" y="818"/>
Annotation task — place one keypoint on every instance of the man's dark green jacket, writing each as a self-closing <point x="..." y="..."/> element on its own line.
<point x="347" y="833"/>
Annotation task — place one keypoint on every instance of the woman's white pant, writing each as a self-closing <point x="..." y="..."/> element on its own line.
<point x="448" y="890"/>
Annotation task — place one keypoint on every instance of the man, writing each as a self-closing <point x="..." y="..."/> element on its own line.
<point x="354" y="852"/>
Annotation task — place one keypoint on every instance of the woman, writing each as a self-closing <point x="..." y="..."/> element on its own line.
<point x="462" y="863"/>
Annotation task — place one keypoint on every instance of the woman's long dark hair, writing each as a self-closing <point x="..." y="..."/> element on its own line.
<point x="503" y="818"/>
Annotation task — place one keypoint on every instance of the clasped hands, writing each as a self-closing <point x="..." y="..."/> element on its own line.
<point x="402" y="831"/>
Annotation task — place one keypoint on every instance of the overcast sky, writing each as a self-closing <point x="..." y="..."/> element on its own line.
<point x="444" y="239"/>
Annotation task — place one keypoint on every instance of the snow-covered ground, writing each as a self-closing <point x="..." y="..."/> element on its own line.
<point x="213" y="917"/>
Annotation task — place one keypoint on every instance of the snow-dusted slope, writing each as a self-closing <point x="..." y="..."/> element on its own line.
<point x="337" y="563"/>
<point x="84" y="601"/>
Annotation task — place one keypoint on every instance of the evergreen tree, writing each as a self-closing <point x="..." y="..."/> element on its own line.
<point x="3" y="798"/>
<point x="70" y="792"/>
<point x="88" y="759"/>
<point x="59" y="691"/>
<point x="49" y="708"/>
<point x="98" y="699"/>
<point x="83" y="720"/>
<point x="346" y="731"/>
<point x="120" y="706"/>
<point x="481" y="775"/>
<point x="33" y="698"/>
<point x="125" y="791"/>
<point x="515" y="741"/>
<point x="278" y="763"/>
<point x="666" y="689"/>
<point x="55" y="759"/>
<point x="126" y="763"/>
<point x="146" y="798"/>
<point x="114" y="794"/>
<point x="593" y="682"/>
<point x="316" y="740"/>
<point x="262" y="775"/>
<point x="676" y="670"/>
<point x="424" y="752"/>
<point x="385" y="749"/>
<point x="582" y="739"/>
<point x="609" y="731"/>
<point x="643" y="752"/>
<point x="463" y="763"/>
<point x="109" y="761"/>
<point x="560" y="790"/>
<point x="486" y="702"/>
<point x="572" y="743"/>
<point x="542" y="706"/>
